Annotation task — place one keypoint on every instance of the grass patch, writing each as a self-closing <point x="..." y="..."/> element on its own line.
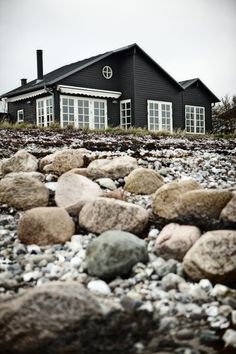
<point x="139" y="132"/>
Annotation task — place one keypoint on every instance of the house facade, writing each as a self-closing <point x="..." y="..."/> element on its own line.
<point x="124" y="87"/>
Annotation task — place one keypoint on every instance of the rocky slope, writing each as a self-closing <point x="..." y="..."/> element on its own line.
<point x="116" y="244"/>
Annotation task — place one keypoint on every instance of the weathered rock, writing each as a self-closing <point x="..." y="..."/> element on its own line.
<point x="166" y="198"/>
<point x="114" y="253"/>
<point x="23" y="192"/>
<point x="229" y="211"/>
<point x="50" y="316"/>
<point x="79" y="171"/>
<point x="39" y="176"/>
<point x="143" y="181"/>
<point x="203" y="205"/>
<point x="63" y="161"/>
<point x="115" y="168"/>
<point x="116" y="194"/>
<point x="106" y="183"/>
<point x="175" y="240"/>
<point x="105" y="214"/>
<point x="44" y="226"/>
<point x="213" y="257"/>
<point x="22" y="161"/>
<point x="73" y="191"/>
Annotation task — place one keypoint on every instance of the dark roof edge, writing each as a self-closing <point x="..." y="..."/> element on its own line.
<point x="102" y="56"/>
<point x="216" y="99"/>
<point x="165" y="72"/>
<point x="105" y="55"/>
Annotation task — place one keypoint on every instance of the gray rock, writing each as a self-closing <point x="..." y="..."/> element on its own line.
<point x="108" y="214"/>
<point x="114" y="169"/>
<point x="114" y="253"/>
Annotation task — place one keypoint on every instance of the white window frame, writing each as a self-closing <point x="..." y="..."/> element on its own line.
<point x="107" y="72"/>
<point x="20" y="116"/>
<point x="91" y="110"/>
<point x="126" y="116"/>
<point x="195" y="119"/>
<point x="47" y="119"/>
<point x="159" y="103"/>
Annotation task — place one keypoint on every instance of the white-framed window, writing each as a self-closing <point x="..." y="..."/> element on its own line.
<point x="44" y="109"/>
<point x="68" y="111"/>
<point x="107" y="72"/>
<point x="159" y="115"/>
<point x="125" y="114"/>
<point x="195" y="119"/>
<point x="20" y="115"/>
<point x="83" y="112"/>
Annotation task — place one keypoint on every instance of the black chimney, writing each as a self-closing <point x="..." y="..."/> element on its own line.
<point x="23" y="82"/>
<point x="39" y="64"/>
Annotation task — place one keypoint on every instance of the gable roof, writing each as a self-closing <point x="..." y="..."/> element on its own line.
<point x="187" y="83"/>
<point x="67" y="70"/>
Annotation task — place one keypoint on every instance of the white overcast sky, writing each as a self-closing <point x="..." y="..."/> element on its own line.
<point x="188" y="38"/>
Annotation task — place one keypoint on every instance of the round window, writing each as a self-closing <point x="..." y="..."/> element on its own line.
<point x="107" y="72"/>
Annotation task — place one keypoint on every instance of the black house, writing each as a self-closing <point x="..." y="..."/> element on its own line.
<point x="123" y="87"/>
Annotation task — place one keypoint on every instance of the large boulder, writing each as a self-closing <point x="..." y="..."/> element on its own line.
<point x="175" y="240"/>
<point x="22" y="161"/>
<point x="203" y="205"/>
<point x="73" y="191"/>
<point x="23" y="192"/>
<point x="228" y="214"/>
<point x="39" y="176"/>
<point x="115" y="168"/>
<point x="143" y="181"/>
<point x="50" y="317"/>
<point x="63" y="161"/>
<point x="104" y="214"/>
<point x="213" y="257"/>
<point x="44" y="226"/>
<point x="166" y="199"/>
<point x="114" y="253"/>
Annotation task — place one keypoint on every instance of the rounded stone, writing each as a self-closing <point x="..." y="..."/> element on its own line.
<point x="114" y="168"/>
<point x="175" y="240"/>
<point x="143" y="181"/>
<point x="203" y="204"/>
<point x="23" y="192"/>
<point x="166" y="198"/>
<point x="43" y="226"/>
<point x="104" y="214"/>
<point x="114" y="253"/>
<point x="213" y="257"/>
<point x="73" y="191"/>
<point x="22" y="161"/>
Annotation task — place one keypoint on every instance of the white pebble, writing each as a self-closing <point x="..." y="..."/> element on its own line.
<point x="153" y="233"/>
<point x="99" y="287"/>
<point x="31" y="276"/>
<point x="230" y="338"/>
<point x="76" y="262"/>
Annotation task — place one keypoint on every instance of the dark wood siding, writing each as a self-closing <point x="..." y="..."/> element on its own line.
<point x="122" y="81"/>
<point x="196" y="95"/>
<point x="152" y="84"/>
<point x="29" y="110"/>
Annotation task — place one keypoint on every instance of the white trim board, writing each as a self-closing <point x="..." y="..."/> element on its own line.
<point x="85" y="91"/>
<point x="26" y="95"/>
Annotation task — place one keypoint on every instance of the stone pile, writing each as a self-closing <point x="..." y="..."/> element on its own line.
<point x="96" y="225"/>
